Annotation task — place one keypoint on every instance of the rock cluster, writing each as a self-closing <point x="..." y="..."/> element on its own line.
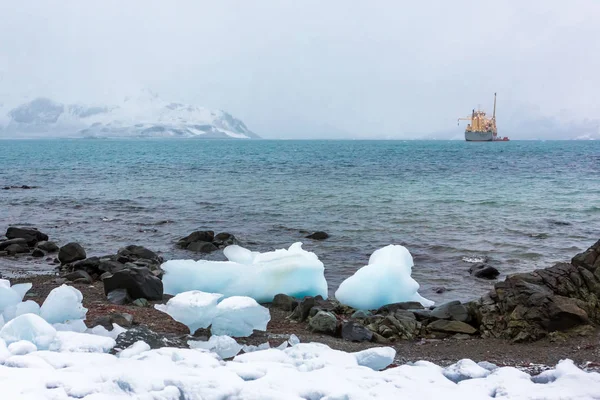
<point x="26" y="241"/>
<point x="206" y="241"/>
<point x="529" y="306"/>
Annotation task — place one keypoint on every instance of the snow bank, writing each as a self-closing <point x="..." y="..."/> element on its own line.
<point x="234" y="316"/>
<point x="294" y="271"/>
<point x="386" y="280"/>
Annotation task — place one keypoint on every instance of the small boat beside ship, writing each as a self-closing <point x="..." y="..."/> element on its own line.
<point x="481" y="128"/>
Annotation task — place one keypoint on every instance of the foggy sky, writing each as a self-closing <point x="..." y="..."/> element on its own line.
<point x="304" y="69"/>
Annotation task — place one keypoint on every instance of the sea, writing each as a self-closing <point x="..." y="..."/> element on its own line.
<point x="517" y="205"/>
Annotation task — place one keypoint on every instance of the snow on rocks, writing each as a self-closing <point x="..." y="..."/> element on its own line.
<point x="224" y="346"/>
<point x="234" y="316"/>
<point x="294" y="272"/>
<point x="385" y="280"/>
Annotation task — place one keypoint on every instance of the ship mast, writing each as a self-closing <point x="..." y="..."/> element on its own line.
<point x="494" y="114"/>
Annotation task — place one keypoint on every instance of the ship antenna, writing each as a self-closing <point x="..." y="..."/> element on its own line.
<point x="494" y="115"/>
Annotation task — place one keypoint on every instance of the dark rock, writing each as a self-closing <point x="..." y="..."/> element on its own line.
<point x="80" y="275"/>
<point x="324" y="322"/>
<point x="110" y="266"/>
<point x="118" y="296"/>
<point x="38" y="253"/>
<point x="32" y="235"/>
<point x="439" y="289"/>
<point x="422" y="315"/>
<point x="154" y="340"/>
<point x="442" y="325"/>
<point x="202" y="247"/>
<point x="103" y="321"/>
<point x="3" y="253"/>
<point x="16" y="249"/>
<point x="284" y="302"/>
<point x="354" y="332"/>
<point x="484" y="271"/>
<point x="48" y="247"/>
<point x="105" y="275"/>
<point x="530" y="306"/>
<point x="5" y="243"/>
<point x="198" y="236"/>
<point x="71" y="252"/>
<point x="453" y="310"/>
<point x="139" y="282"/>
<point x="302" y="311"/>
<point x="406" y="305"/>
<point x="140" y="256"/>
<point x="319" y="235"/>
<point x="56" y="261"/>
<point x="224" y="239"/>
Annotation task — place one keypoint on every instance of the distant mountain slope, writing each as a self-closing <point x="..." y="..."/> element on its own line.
<point x="144" y="116"/>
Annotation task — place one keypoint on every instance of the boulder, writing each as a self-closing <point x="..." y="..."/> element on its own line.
<point x="197" y="236"/>
<point x="406" y="305"/>
<point x="32" y="235"/>
<point x="153" y="339"/>
<point x="484" y="271"/>
<point x="324" y="322"/>
<point x="5" y="243"/>
<point x="38" y="253"/>
<point x="354" y="332"/>
<point x="118" y="297"/>
<point x="124" y="320"/>
<point x="284" y="302"/>
<point x="139" y="282"/>
<point x="442" y="325"/>
<point x="140" y="256"/>
<point x="110" y="266"/>
<point x="79" y="276"/>
<point x="141" y="302"/>
<point x="71" y="252"/>
<point x="302" y="311"/>
<point x="224" y="239"/>
<point x="319" y="235"/>
<point x="529" y="306"/>
<point x="453" y="310"/>
<point x="48" y="247"/>
<point x="361" y="314"/>
<point x="202" y="247"/>
<point x="16" y="249"/>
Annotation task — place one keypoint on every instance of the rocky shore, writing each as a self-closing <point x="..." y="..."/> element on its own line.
<point x="533" y="318"/>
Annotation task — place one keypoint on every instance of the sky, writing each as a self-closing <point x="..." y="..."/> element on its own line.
<point x="319" y="69"/>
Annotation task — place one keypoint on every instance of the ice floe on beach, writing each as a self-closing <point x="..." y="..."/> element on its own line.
<point x="303" y="371"/>
<point x="385" y="280"/>
<point x="235" y="316"/>
<point x="294" y="272"/>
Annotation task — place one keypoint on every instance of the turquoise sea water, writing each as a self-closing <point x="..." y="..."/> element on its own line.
<point x="521" y="204"/>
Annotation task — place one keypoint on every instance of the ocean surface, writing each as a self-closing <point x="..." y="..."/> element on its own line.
<point x="521" y="205"/>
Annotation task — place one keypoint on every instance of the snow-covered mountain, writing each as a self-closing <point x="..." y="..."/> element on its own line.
<point x="143" y="116"/>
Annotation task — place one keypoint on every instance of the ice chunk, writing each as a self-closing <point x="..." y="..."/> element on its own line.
<point x="137" y="348"/>
<point x="21" y="348"/>
<point x="22" y="289"/>
<point x="68" y="341"/>
<point x="27" y="307"/>
<point x="224" y="346"/>
<point x="293" y="340"/>
<point x="294" y="271"/>
<point x="465" y="369"/>
<point x="76" y="325"/>
<point x="10" y="312"/>
<point x="102" y="331"/>
<point x="28" y="327"/>
<point x="8" y="297"/>
<point x="194" y="308"/>
<point x="249" y="348"/>
<point x="385" y="280"/>
<point x="4" y="283"/>
<point x="63" y="304"/>
<point x="4" y="353"/>
<point x="376" y="358"/>
<point x="239" y="316"/>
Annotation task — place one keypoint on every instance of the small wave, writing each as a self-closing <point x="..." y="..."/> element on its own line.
<point x="539" y="235"/>
<point x="475" y="259"/>
<point x="559" y="223"/>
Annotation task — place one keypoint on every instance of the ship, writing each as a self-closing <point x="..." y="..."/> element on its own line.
<point x="481" y="128"/>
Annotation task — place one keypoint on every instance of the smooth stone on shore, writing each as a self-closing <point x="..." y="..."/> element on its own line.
<point x="453" y="310"/>
<point x="324" y="322"/>
<point x="197" y="236"/>
<point x="442" y="325"/>
<point x="48" y="247"/>
<point x="361" y="314"/>
<point x="225" y="239"/>
<point x="79" y="275"/>
<point x="354" y="332"/>
<point x="71" y="252"/>
<point x="38" y="253"/>
<point x="118" y="297"/>
<point x="405" y="305"/>
<point x="16" y="249"/>
<point x="202" y="247"/>
<point x="141" y="302"/>
<point x="139" y="282"/>
<point x="302" y="311"/>
<point x="32" y="235"/>
<point x="484" y="271"/>
<point x="284" y="302"/>
<point x="5" y="243"/>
